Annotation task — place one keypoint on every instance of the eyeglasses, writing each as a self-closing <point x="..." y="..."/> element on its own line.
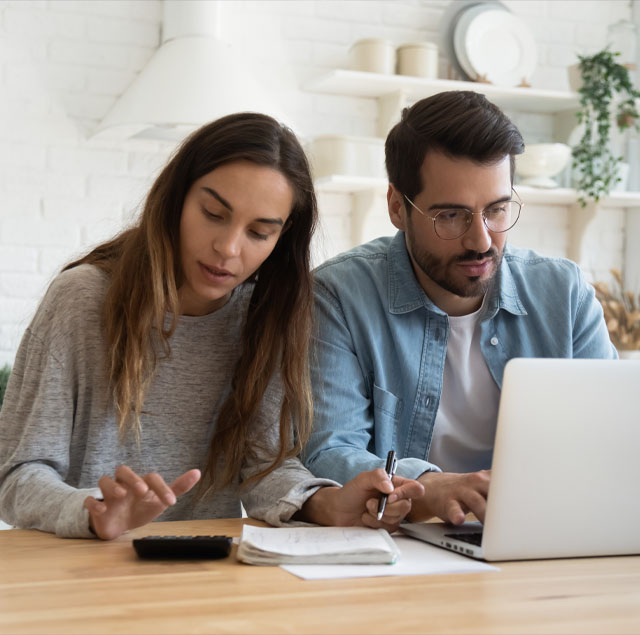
<point x="451" y="223"/>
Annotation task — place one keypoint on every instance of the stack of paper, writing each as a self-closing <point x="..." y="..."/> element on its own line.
<point x="316" y="545"/>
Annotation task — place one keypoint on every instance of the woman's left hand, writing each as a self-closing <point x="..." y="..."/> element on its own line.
<point x="130" y="500"/>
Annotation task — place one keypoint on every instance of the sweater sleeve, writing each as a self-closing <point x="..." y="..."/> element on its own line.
<point x="280" y="494"/>
<point x="35" y="430"/>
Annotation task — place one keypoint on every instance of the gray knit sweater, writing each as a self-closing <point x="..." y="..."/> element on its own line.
<point x="58" y="434"/>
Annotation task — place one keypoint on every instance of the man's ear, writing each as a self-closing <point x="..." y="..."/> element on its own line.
<point x="397" y="210"/>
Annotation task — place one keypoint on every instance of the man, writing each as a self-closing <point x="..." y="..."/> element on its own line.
<point x="413" y="332"/>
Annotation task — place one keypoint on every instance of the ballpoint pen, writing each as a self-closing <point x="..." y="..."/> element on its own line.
<point x="390" y="469"/>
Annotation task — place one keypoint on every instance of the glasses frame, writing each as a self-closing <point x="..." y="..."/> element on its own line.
<point x="518" y="200"/>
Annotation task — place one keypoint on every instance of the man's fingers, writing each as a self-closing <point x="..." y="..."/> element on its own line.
<point x="397" y="511"/>
<point x="393" y="512"/>
<point x="370" y="521"/>
<point x="374" y="480"/>
<point x="453" y="512"/>
<point x="160" y="488"/>
<point x="127" y="476"/>
<point x="405" y="488"/>
<point x="476" y="503"/>
<point x="479" y="481"/>
<point x="185" y="482"/>
<point x="397" y="488"/>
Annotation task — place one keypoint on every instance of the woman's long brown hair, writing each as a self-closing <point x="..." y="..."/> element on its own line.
<point x="143" y="264"/>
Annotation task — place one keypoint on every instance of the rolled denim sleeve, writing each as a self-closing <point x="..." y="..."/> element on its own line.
<point x="346" y="437"/>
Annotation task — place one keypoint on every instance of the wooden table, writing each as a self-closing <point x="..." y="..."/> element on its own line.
<point x="51" y="585"/>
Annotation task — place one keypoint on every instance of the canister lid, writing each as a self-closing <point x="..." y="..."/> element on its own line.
<point x="380" y="41"/>
<point x="419" y="45"/>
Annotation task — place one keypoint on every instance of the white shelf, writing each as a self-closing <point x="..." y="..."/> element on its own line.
<point x="375" y="85"/>
<point x="567" y="196"/>
<point x="340" y="183"/>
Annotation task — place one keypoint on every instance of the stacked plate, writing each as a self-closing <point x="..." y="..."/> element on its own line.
<point x="486" y="42"/>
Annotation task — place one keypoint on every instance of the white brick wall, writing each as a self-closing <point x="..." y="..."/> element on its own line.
<point x="64" y="62"/>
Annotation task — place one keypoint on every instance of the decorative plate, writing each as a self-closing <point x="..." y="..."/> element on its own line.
<point x="498" y="46"/>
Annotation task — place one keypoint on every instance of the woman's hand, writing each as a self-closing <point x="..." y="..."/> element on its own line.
<point x="356" y="502"/>
<point x="131" y="500"/>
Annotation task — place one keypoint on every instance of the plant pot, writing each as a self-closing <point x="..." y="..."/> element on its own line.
<point x="625" y="121"/>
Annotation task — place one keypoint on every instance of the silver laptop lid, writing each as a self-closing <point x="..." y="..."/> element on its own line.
<point x="566" y="466"/>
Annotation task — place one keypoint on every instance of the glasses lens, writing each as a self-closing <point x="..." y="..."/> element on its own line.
<point x="502" y="217"/>
<point x="451" y="223"/>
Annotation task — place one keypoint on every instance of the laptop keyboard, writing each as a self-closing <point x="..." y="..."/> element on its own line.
<point x="473" y="537"/>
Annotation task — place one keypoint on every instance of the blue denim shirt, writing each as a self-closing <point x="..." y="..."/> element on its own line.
<point x="379" y="348"/>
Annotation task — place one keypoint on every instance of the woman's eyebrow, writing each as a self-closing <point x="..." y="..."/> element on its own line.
<point x="219" y="198"/>
<point x="223" y="201"/>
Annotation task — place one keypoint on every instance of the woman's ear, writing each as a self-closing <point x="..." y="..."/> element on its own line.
<point x="397" y="210"/>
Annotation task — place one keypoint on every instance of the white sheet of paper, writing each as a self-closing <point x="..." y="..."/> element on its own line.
<point x="418" y="558"/>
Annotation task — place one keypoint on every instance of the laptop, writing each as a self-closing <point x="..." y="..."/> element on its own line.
<point x="565" y="479"/>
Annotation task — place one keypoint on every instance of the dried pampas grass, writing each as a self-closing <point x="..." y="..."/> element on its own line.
<point x="621" y="312"/>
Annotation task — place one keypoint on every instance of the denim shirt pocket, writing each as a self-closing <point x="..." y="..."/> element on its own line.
<point x="387" y="408"/>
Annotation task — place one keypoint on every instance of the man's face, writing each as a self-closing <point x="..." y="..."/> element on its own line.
<point x="456" y="273"/>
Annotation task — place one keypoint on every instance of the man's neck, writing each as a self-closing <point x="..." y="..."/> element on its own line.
<point x="448" y="302"/>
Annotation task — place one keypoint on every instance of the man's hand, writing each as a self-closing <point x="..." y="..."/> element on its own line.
<point x="131" y="500"/>
<point x="450" y="496"/>
<point x="356" y="502"/>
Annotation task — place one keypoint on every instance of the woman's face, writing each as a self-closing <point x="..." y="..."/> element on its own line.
<point x="231" y="221"/>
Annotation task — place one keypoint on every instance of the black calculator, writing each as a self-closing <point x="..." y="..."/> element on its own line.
<point x="193" y="547"/>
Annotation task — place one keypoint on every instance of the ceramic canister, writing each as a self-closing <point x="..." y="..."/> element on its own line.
<point x="419" y="59"/>
<point x="373" y="55"/>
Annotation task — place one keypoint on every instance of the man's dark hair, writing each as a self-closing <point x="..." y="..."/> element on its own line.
<point x="457" y="123"/>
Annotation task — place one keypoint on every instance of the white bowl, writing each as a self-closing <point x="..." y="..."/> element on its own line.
<point x="540" y="162"/>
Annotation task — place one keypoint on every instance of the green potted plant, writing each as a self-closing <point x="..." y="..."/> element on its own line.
<point x="606" y="91"/>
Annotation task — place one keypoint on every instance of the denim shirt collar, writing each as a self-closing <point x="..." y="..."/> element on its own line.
<point x="406" y="294"/>
<point x="503" y="293"/>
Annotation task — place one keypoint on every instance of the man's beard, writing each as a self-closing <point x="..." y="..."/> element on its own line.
<point x="440" y="272"/>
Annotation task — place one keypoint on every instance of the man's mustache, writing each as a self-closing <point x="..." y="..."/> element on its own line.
<point x="470" y="256"/>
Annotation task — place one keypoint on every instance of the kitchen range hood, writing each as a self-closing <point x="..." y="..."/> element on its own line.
<point x="193" y="78"/>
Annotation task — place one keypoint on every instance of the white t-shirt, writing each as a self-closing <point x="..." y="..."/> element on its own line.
<point x="465" y="424"/>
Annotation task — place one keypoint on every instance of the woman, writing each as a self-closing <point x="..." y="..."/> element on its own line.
<point x="181" y="344"/>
